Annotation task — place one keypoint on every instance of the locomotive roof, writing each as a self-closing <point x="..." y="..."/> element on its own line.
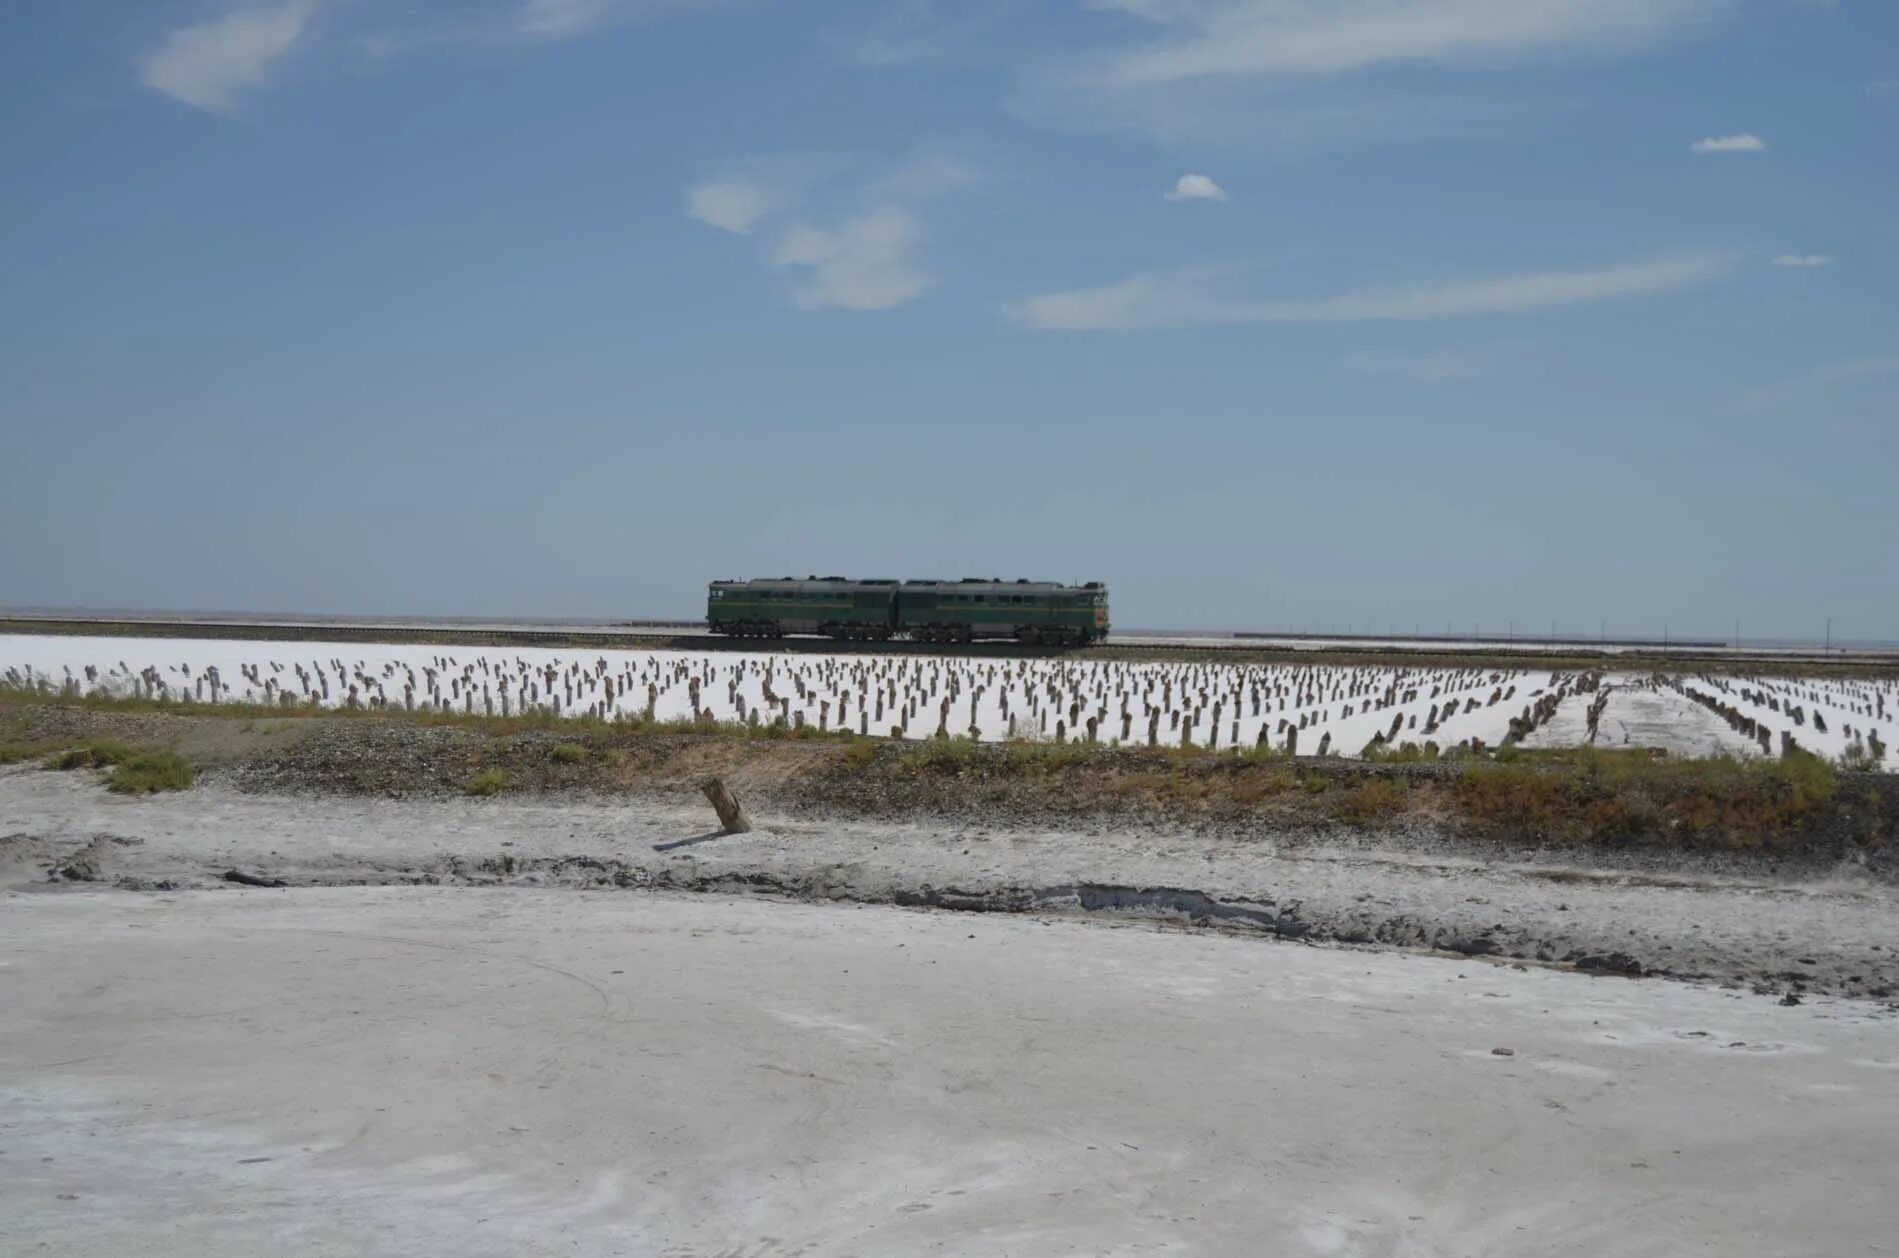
<point x="962" y="584"/>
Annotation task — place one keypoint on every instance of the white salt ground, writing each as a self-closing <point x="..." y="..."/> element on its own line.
<point x="1836" y="928"/>
<point x="515" y="1072"/>
<point x="1643" y="715"/>
<point x="1039" y="693"/>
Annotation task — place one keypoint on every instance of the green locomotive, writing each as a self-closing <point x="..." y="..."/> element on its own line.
<point x="1030" y="612"/>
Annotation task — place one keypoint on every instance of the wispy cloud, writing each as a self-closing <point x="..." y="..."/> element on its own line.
<point x="213" y="63"/>
<point x="1835" y="377"/>
<point x="925" y="177"/>
<point x="867" y="263"/>
<point x="1885" y="364"/>
<point x="561" y="19"/>
<point x="1196" y="188"/>
<point x="907" y="31"/>
<point x="548" y="20"/>
<point x="867" y="257"/>
<point x="1192" y="298"/>
<point x="1804" y="259"/>
<point x="1293" y="75"/>
<point x="733" y="204"/>
<point x="1202" y="38"/>
<point x="1745" y="142"/>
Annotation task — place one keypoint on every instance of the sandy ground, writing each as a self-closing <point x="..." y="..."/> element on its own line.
<point x="420" y="1071"/>
<point x="1834" y="931"/>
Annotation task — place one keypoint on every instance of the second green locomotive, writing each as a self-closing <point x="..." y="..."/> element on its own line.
<point x="1040" y="613"/>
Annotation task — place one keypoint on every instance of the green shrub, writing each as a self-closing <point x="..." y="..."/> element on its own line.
<point x="488" y="782"/>
<point x="149" y="772"/>
<point x="569" y="753"/>
<point x="13" y="753"/>
<point x="1855" y="759"/>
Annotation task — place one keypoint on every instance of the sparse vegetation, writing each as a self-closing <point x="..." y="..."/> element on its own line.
<point x="1372" y="802"/>
<point x="1590" y="794"/>
<point x="1576" y="795"/>
<point x="860" y="754"/>
<point x="14" y="753"/>
<point x="1857" y="759"/>
<point x="149" y="772"/>
<point x="100" y="753"/>
<point x="488" y="782"/>
<point x="1405" y="753"/>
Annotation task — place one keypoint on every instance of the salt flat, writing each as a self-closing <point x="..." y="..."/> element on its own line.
<point x="1307" y="708"/>
<point x="509" y="1072"/>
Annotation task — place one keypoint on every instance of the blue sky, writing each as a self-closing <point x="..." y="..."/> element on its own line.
<point x="1317" y="314"/>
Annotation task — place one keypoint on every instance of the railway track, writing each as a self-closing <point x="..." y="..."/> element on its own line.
<point x="681" y="635"/>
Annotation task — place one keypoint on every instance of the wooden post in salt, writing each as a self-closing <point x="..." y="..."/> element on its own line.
<point x="731" y="816"/>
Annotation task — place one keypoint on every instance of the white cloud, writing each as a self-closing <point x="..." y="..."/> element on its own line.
<point x="1804" y="259"/>
<point x="747" y="192"/>
<point x="1196" y="188"/>
<point x="922" y="178"/>
<point x="867" y="259"/>
<point x="1745" y="142"/>
<point x="1188" y="298"/>
<point x="211" y="64"/>
<point x="1300" y="37"/>
<point x="559" y="19"/>
<point x="865" y="264"/>
<point x="732" y="204"/>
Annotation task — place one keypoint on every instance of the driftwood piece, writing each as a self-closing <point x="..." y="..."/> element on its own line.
<point x="731" y="816"/>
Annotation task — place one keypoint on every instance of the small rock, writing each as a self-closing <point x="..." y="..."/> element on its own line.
<point x="252" y="880"/>
<point x="1790" y="999"/>
<point x="1610" y="963"/>
<point x="83" y="865"/>
<point x="1503" y="1052"/>
<point x="81" y="868"/>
